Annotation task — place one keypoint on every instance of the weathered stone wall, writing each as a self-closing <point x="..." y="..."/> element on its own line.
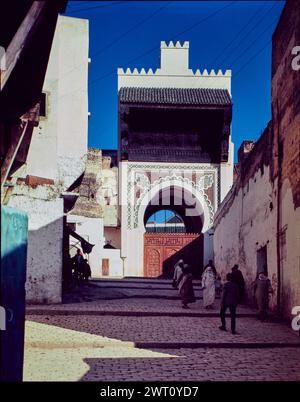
<point x="246" y="220"/>
<point x="113" y="236"/>
<point x="110" y="192"/>
<point x="286" y="151"/>
<point x="87" y="213"/>
<point x="89" y="187"/>
<point x="263" y="207"/>
<point x="45" y="233"/>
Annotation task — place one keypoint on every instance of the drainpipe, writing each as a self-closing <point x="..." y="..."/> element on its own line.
<point x="278" y="223"/>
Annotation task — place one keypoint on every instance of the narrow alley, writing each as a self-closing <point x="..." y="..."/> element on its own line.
<point x="136" y="330"/>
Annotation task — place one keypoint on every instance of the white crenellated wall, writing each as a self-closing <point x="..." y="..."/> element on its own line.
<point x="174" y="72"/>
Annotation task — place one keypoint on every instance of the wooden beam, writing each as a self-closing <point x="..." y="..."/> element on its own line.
<point x="13" y="149"/>
<point x="21" y="39"/>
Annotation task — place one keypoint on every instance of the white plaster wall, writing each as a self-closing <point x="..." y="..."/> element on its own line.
<point x="44" y="253"/>
<point x="226" y="172"/>
<point x="59" y="145"/>
<point x="115" y="262"/>
<point x="248" y="225"/>
<point x="174" y="73"/>
<point x="91" y="229"/>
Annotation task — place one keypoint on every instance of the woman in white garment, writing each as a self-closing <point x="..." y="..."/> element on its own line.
<point x="208" y="285"/>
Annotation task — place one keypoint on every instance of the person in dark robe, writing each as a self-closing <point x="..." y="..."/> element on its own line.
<point x="229" y="300"/>
<point x="186" y="289"/>
<point x="86" y="270"/>
<point x="78" y="263"/>
<point x="238" y="278"/>
<point x="262" y="289"/>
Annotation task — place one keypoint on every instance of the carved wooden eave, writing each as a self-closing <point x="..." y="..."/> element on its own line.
<point x="129" y="152"/>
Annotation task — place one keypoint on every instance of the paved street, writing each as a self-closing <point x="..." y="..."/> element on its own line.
<point x="136" y="330"/>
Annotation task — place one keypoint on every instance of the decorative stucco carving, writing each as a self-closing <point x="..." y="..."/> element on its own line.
<point x="137" y="178"/>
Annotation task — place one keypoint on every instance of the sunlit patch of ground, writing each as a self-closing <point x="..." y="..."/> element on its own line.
<point x="57" y="354"/>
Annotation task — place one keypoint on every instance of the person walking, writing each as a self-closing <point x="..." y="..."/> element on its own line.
<point x="212" y="266"/>
<point x="208" y="286"/>
<point x="262" y="289"/>
<point x="238" y="278"/>
<point x="186" y="289"/>
<point x="86" y="270"/>
<point x="177" y="273"/>
<point x="229" y="299"/>
<point x="78" y="262"/>
<point x="218" y="285"/>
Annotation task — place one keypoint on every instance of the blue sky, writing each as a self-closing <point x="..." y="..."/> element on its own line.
<point x="222" y="35"/>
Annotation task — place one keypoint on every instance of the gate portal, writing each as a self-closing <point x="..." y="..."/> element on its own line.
<point x="175" y="153"/>
<point x="163" y="250"/>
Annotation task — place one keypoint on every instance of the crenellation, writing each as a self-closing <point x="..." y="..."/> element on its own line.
<point x="197" y="73"/>
<point x="178" y="45"/>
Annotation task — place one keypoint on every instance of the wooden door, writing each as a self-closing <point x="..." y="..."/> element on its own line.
<point x="163" y="250"/>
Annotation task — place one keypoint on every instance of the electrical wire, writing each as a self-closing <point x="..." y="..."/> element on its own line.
<point x="131" y="29"/>
<point x="237" y="35"/>
<point x="155" y="47"/>
<point x="248" y="33"/>
<point x="115" y="3"/>
<point x="253" y="57"/>
<point x="252" y="43"/>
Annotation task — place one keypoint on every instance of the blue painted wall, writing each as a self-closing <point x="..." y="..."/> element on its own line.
<point x="14" y="235"/>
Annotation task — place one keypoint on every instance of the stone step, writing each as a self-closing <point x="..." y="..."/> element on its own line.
<point x="142" y="287"/>
<point x="217" y="345"/>
<point x="126" y="296"/>
<point x="139" y="280"/>
<point x="67" y="312"/>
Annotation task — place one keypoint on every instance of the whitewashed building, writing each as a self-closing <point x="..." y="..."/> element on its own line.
<point x="56" y="158"/>
<point x="175" y="153"/>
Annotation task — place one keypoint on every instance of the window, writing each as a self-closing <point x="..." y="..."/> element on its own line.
<point x="262" y="262"/>
<point x="43" y="105"/>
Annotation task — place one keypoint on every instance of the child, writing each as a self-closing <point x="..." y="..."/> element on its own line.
<point x="218" y="285"/>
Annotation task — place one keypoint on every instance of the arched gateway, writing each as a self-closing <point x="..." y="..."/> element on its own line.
<point x="175" y="154"/>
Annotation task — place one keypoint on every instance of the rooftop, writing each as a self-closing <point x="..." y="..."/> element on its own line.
<point x="176" y="96"/>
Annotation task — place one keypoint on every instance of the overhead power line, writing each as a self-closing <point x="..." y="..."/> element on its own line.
<point x="174" y="35"/>
<point x="248" y="33"/>
<point x="115" y="3"/>
<point x="120" y="37"/>
<point x="237" y="35"/>
<point x="253" y="57"/>
<point x="252" y="43"/>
